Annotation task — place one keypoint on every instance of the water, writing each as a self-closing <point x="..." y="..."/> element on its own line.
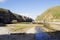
<point x="40" y="35"/>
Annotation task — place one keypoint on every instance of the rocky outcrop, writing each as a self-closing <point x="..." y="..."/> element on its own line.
<point x="6" y="16"/>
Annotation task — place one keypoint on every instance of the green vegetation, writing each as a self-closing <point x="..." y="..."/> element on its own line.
<point x="4" y="10"/>
<point x="50" y="14"/>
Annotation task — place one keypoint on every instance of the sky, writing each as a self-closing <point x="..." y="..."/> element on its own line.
<point x="30" y="8"/>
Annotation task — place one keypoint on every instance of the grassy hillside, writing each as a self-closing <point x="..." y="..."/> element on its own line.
<point x="51" y="14"/>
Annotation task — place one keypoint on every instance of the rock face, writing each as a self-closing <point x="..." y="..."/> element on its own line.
<point x="6" y="16"/>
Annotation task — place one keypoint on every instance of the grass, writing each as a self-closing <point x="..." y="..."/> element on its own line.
<point x="23" y="28"/>
<point x="54" y="33"/>
<point x="20" y="27"/>
<point x="54" y="12"/>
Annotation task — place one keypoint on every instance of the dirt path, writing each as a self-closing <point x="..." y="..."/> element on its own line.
<point x="31" y="30"/>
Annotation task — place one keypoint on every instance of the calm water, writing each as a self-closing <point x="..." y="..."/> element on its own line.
<point x="40" y="35"/>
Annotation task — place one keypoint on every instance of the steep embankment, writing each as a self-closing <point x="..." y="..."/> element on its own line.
<point x="51" y="14"/>
<point x="6" y="16"/>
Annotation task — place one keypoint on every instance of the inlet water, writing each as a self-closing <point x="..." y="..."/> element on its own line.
<point x="40" y="35"/>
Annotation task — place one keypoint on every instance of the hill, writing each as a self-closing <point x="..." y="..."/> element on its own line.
<point x="6" y="16"/>
<point x="51" y="14"/>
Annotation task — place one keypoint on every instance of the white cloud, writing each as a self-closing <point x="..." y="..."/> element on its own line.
<point x="2" y="1"/>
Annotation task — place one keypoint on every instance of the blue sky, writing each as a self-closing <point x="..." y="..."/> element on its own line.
<point x="31" y="8"/>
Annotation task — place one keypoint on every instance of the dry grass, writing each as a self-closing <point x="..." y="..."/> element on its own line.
<point x="20" y="27"/>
